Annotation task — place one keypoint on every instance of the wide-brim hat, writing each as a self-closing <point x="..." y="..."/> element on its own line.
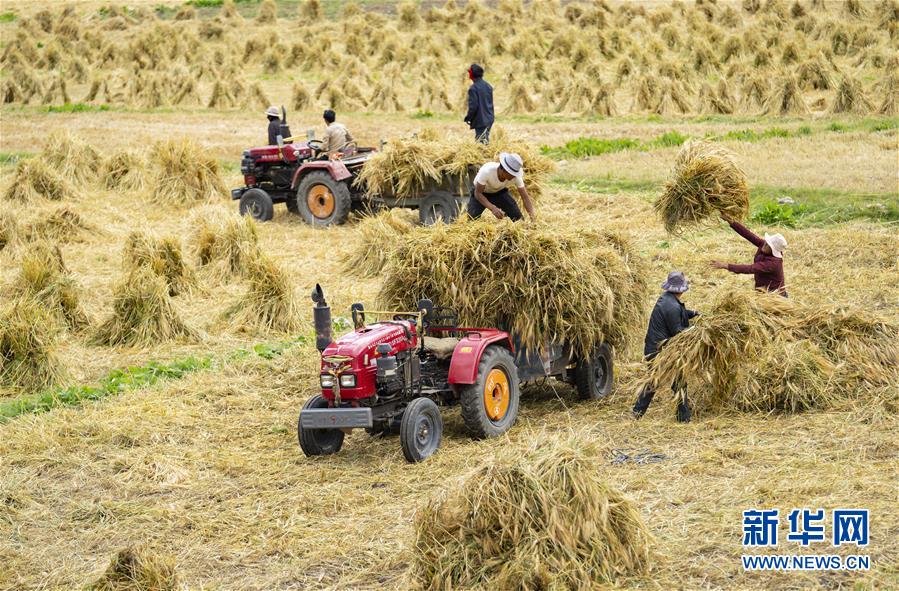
<point x="777" y="243"/>
<point x="512" y="164"/>
<point x="272" y="112"/>
<point x="676" y="283"/>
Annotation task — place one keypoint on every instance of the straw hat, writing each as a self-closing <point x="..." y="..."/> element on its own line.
<point x="778" y="244"/>
<point x="676" y="283"/>
<point x="272" y="112"/>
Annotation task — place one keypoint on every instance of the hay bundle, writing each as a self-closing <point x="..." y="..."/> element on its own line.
<point x="890" y="87"/>
<point x="268" y="12"/>
<point x="815" y="74"/>
<point x="33" y="179"/>
<point x="300" y="98"/>
<point x="755" y="93"/>
<point x="163" y="257"/>
<point x="603" y="102"/>
<point x="762" y="352"/>
<point x="28" y="338"/>
<point x="71" y="157"/>
<point x="143" y="313"/>
<point x="851" y="98"/>
<point x="184" y="173"/>
<point x="9" y="228"/>
<point x="786" y="98"/>
<point x="544" y="284"/>
<point x="62" y="225"/>
<point x="377" y="234"/>
<point x="125" y="170"/>
<point x="225" y="243"/>
<point x="138" y="569"/>
<point x="647" y="89"/>
<point x="310" y="10"/>
<point x="542" y="517"/>
<point x="704" y="183"/>
<point x="270" y="303"/>
<point x="522" y="101"/>
<point x="673" y="98"/>
<point x="384" y="98"/>
<point x="45" y="280"/>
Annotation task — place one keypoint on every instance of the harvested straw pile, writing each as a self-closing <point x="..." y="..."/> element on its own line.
<point x="143" y="313"/>
<point x="9" y="228"/>
<point x="539" y="518"/>
<point x="34" y="179"/>
<point x="762" y="352"/>
<point x="45" y="280"/>
<point x="126" y="171"/>
<point x="28" y="337"/>
<point x="225" y="243"/>
<point x="851" y="98"/>
<point x="163" y="257"/>
<point x="138" y="569"/>
<point x="704" y="182"/>
<point x="270" y="303"/>
<point x="542" y="283"/>
<point x="63" y="225"/>
<point x="184" y="173"/>
<point x="377" y="234"/>
<point x="71" y="157"/>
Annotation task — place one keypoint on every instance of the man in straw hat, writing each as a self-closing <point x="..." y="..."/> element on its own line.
<point x="274" y="125"/>
<point x="669" y="317"/>
<point x="490" y="190"/>
<point x="767" y="267"/>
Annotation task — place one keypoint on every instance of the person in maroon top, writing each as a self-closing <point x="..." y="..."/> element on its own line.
<point x="767" y="267"/>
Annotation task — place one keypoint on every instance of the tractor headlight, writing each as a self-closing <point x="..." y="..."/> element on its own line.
<point x="327" y="381"/>
<point x="348" y="380"/>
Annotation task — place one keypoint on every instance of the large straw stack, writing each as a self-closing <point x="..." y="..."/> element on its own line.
<point x="545" y="284"/>
<point x="184" y="173"/>
<point x="28" y="339"/>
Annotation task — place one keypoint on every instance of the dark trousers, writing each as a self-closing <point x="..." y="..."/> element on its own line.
<point x="502" y="200"/>
<point x="482" y="134"/>
<point x="679" y="387"/>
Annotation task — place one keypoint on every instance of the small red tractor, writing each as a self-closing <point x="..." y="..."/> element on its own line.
<point x="324" y="190"/>
<point x="393" y="374"/>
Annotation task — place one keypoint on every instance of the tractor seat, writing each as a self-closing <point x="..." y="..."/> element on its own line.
<point x="441" y="348"/>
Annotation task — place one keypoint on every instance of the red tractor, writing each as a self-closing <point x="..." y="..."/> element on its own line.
<point x="392" y="376"/>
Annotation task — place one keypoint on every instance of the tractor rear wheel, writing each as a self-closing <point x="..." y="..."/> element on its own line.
<point x="258" y="204"/>
<point x="438" y="206"/>
<point x="318" y="442"/>
<point x="323" y="201"/>
<point x="420" y="430"/>
<point x="593" y="377"/>
<point x="490" y="405"/>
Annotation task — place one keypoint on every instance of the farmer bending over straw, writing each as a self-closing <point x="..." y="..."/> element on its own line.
<point x="768" y="265"/>
<point x="491" y="189"/>
<point x="669" y="317"/>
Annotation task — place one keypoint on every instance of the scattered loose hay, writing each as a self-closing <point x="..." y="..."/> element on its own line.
<point x="225" y="243"/>
<point x="163" y="257"/>
<point x="143" y="313"/>
<point x="544" y="284"/>
<point x="184" y="173"/>
<point x="270" y="302"/>
<point x="762" y="352"/>
<point x="34" y="179"/>
<point x="137" y="568"/>
<point x="539" y="518"/>
<point x="377" y="234"/>
<point x="45" y="280"/>
<point x="704" y="182"/>
<point x="28" y="358"/>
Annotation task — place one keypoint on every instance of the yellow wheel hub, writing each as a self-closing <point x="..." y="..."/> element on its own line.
<point x="496" y="394"/>
<point x="320" y="200"/>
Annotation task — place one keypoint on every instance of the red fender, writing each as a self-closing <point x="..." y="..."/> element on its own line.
<point x="467" y="354"/>
<point x="338" y="170"/>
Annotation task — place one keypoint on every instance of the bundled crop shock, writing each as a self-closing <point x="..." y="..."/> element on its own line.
<point x="45" y="280"/>
<point x="225" y="242"/>
<point x="184" y="173"/>
<point x="143" y="313"/>
<point x="762" y="352"/>
<point x="35" y="178"/>
<point x="126" y="171"/>
<point x="378" y="233"/>
<point x="72" y="157"/>
<point x="138" y="569"/>
<point x="704" y="182"/>
<point x="542" y="283"/>
<point x="270" y="303"/>
<point x="28" y="337"/>
<point x="64" y="224"/>
<point x="163" y="257"/>
<point x="541" y="518"/>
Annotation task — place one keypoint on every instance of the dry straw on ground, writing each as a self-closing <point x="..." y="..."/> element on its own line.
<point x="184" y="173"/>
<point x="28" y="339"/>
<point x="543" y="283"/>
<point x="138" y="568"/>
<point x="762" y="352"/>
<point x="705" y="183"/>
<point x="9" y="228"/>
<point x="62" y="225"/>
<point x="541" y="517"/>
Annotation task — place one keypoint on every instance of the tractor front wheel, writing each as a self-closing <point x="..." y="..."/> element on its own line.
<point x="420" y="430"/>
<point x="318" y="442"/>
<point x="593" y="377"/>
<point x="323" y="201"/>
<point x="490" y="405"/>
<point x="258" y="204"/>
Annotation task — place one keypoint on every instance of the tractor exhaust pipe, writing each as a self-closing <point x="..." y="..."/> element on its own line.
<point x="321" y="315"/>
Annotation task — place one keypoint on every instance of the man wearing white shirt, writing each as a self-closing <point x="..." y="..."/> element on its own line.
<point x="491" y="189"/>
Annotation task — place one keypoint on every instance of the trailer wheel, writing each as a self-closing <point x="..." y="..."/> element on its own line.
<point x="490" y="405"/>
<point x="318" y="442"/>
<point x="593" y="377"/>
<point x="258" y="204"/>
<point x="420" y="430"/>
<point x="322" y="201"/>
<point x="438" y="206"/>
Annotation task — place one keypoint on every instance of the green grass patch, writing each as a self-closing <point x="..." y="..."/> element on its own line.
<point x="606" y="184"/>
<point x="423" y="115"/>
<point x="134" y="378"/>
<point x="8" y="17"/>
<point x="12" y="158"/>
<point x="590" y="146"/>
<point x="75" y="108"/>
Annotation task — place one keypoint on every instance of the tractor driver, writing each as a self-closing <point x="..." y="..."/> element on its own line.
<point x="491" y="189"/>
<point x="337" y="136"/>
<point x="274" y="125"/>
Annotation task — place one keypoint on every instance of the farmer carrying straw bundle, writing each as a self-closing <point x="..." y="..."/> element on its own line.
<point x="767" y="266"/>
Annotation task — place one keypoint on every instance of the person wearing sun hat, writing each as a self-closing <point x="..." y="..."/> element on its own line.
<point x="767" y="267"/>
<point x="274" y="125"/>
<point x="490" y="190"/>
<point x="669" y="317"/>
